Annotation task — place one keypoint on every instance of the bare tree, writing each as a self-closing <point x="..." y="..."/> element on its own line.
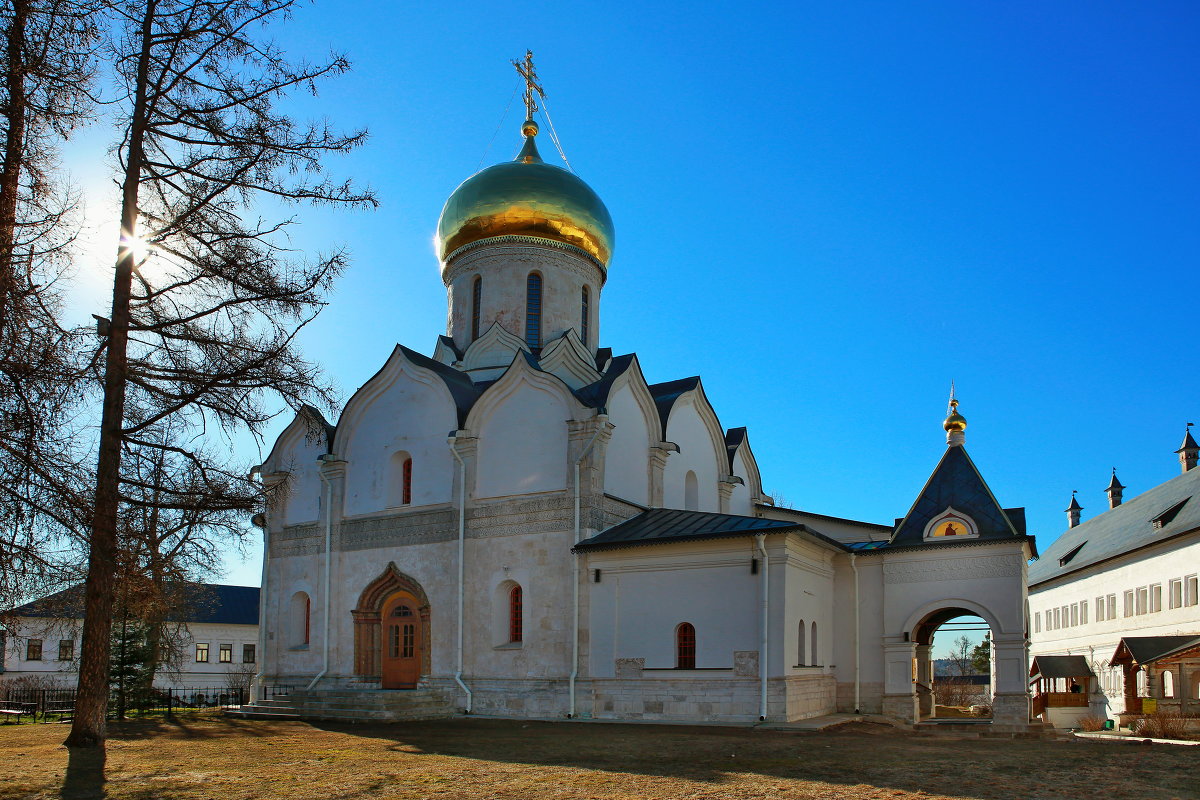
<point x="202" y="330"/>
<point x="48" y="69"/>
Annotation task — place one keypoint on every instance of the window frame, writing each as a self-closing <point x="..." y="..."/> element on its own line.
<point x="534" y="297"/>
<point x="585" y="300"/>
<point x="406" y="472"/>
<point x="476" y="303"/>
<point x="252" y="651"/>
<point x="685" y="646"/>
<point x="66" y="649"/>
<point x="33" y="650"/>
<point x="225" y="653"/>
<point x="516" y="614"/>
<point x="1175" y="593"/>
<point x="201" y="652"/>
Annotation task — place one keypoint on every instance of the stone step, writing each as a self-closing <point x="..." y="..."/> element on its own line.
<point x="250" y="712"/>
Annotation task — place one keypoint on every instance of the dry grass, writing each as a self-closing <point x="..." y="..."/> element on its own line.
<point x="1092" y="723"/>
<point x="1163" y="725"/>
<point x="234" y="759"/>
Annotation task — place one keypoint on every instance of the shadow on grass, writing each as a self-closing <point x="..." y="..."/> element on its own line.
<point x="187" y="726"/>
<point x="84" y="779"/>
<point x="988" y="769"/>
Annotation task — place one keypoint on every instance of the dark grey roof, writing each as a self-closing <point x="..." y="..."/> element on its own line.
<point x="734" y="438"/>
<point x="1188" y="442"/>
<point x="956" y="483"/>
<point x="674" y="525"/>
<point x="595" y="395"/>
<point x="665" y="394"/>
<point x="603" y="354"/>
<point x="1074" y="504"/>
<point x="1128" y="527"/>
<point x="446" y="340"/>
<point x="1114" y="483"/>
<point x="1145" y="649"/>
<point x="210" y="602"/>
<point x="1060" y="667"/>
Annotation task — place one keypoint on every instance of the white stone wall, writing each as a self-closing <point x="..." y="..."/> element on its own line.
<point x="191" y="674"/>
<point x="701" y="452"/>
<point x="627" y="465"/>
<point x="505" y="268"/>
<point x="1097" y="638"/>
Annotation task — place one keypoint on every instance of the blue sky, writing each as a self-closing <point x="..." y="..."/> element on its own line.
<point x="828" y="211"/>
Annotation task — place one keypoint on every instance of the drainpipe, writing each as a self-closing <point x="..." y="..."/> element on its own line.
<point x="256" y="683"/>
<point x="766" y="611"/>
<point x="601" y="419"/>
<point x="857" y="657"/>
<point x="462" y="535"/>
<point x="328" y="484"/>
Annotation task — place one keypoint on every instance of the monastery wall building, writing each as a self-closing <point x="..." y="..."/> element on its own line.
<point x="523" y="525"/>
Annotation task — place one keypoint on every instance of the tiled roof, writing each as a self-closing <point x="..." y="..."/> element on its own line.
<point x="210" y="602"/>
<point x="1128" y="527"/>
<point x="673" y="525"/>
<point x="956" y="483"/>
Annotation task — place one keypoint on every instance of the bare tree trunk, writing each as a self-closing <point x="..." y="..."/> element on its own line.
<point x="91" y="704"/>
<point x="10" y="181"/>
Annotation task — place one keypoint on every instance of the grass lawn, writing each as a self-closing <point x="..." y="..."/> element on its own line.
<point x="225" y="759"/>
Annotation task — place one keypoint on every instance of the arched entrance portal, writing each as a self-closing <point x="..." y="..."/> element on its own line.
<point x="392" y="631"/>
<point x="953" y="666"/>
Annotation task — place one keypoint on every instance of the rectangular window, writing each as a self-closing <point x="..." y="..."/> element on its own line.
<point x="1128" y="603"/>
<point x="1074" y="614"/>
<point x="225" y="654"/>
<point x="1175" y="593"/>
<point x="1083" y="612"/>
<point x="33" y="650"/>
<point x="1142" y="597"/>
<point x="202" y="653"/>
<point x="1110" y="603"/>
<point x="1066" y="616"/>
<point x="1155" y="597"/>
<point x="66" y="649"/>
<point x="1190" y="593"/>
<point x="1037" y="622"/>
<point x="247" y="654"/>
<point x="1099" y="609"/>
<point x="1057" y="618"/>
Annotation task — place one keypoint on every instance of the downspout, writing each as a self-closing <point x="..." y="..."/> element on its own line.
<point x="462" y="535"/>
<point x="601" y="418"/>
<point x="328" y="542"/>
<point x="256" y="683"/>
<point x="857" y="656"/>
<point x="761" y="540"/>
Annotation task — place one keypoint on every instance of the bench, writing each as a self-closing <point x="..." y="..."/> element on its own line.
<point x="65" y="711"/>
<point x="14" y="711"/>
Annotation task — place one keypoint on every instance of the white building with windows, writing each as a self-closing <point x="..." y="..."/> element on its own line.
<point x="1122" y="589"/>
<point x="523" y="524"/>
<point x="218" y="639"/>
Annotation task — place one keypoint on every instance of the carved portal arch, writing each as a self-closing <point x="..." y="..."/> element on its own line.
<point x="367" y="620"/>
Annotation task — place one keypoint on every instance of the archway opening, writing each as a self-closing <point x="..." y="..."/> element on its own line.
<point x="953" y="666"/>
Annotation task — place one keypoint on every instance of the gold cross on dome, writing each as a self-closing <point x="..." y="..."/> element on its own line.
<point x="526" y="71"/>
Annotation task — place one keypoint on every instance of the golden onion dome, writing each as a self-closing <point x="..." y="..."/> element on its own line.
<point x="526" y="197"/>
<point x="956" y="421"/>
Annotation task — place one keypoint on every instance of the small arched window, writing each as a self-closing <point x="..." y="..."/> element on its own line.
<point x="533" y="311"/>
<point x="691" y="492"/>
<point x="585" y="302"/>
<point x="800" y="645"/>
<point x="406" y="480"/>
<point x="476" y="302"/>
<point x="516" y="615"/>
<point x="685" y="646"/>
<point x="1168" y="684"/>
<point x="813" y="645"/>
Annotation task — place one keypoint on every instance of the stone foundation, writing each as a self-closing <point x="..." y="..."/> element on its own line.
<point x="1010" y="709"/>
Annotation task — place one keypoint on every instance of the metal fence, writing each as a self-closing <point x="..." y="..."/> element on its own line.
<point x="59" y="704"/>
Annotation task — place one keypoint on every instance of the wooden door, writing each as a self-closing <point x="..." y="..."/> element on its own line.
<point x="401" y="640"/>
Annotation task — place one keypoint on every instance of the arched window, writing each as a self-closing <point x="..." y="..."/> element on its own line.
<point x="691" y="492"/>
<point x="476" y="302"/>
<point x="1168" y="684"/>
<point x="800" y="645"/>
<point x="400" y="481"/>
<point x="533" y="311"/>
<point x="301" y="608"/>
<point x="685" y="646"/>
<point x="406" y="481"/>
<point x="813" y="645"/>
<point x="585" y="302"/>
<point x="516" y="615"/>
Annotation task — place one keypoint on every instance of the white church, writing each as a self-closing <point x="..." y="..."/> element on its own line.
<point x="522" y="525"/>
